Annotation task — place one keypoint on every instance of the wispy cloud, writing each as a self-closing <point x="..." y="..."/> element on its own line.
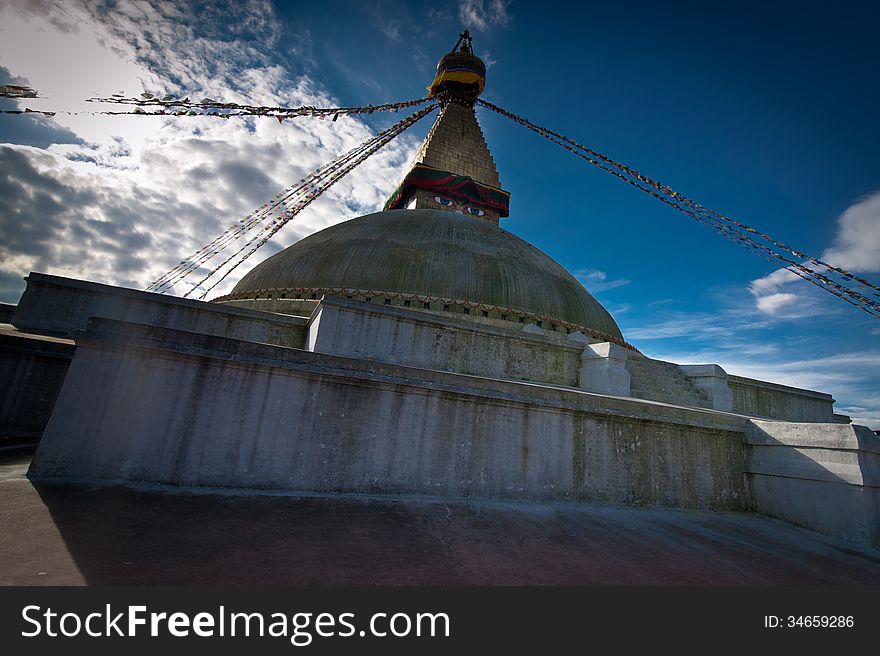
<point x="714" y="326"/>
<point x="597" y="281"/>
<point x="664" y="301"/>
<point x="484" y="15"/>
<point x="862" y="416"/>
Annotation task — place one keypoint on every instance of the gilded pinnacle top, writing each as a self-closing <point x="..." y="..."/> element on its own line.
<point x="460" y="73"/>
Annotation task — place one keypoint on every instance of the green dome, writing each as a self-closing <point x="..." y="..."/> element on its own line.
<point x="436" y="254"/>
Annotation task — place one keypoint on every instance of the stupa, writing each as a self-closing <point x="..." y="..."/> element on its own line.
<point x="421" y="350"/>
<point x="438" y="245"/>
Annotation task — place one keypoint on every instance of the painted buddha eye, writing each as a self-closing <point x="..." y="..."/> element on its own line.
<point x="475" y="211"/>
<point x="445" y="202"/>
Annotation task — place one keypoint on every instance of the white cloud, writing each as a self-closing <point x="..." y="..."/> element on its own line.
<point x="597" y="281"/>
<point x="771" y="283"/>
<point x="857" y="244"/>
<point x="775" y="304"/>
<point x="483" y="14"/>
<point x="856" y="247"/>
<point x="783" y="295"/>
<point x="139" y="193"/>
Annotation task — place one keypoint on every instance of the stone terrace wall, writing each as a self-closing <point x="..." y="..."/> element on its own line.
<point x="6" y="312"/>
<point x="55" y="305"/>
<point x="823" y="476"/>
<point x="419" y="339"/>
<point x="32" y="369"/>
<point x="758" y="398"/>
<point x="150" y="404"/>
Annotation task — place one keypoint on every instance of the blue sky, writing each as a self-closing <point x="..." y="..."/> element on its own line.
<point x="764" y="113"/>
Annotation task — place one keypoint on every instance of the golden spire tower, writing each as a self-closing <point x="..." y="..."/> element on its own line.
<point x="454" y="170"/>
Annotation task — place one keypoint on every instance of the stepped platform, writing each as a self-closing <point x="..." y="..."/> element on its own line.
<point x="656" y="380"/>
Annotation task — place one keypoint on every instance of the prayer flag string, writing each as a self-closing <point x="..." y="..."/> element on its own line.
<point x="168" y="106"/>
<point x="16" y="91"/>
<point x="729" y="228"/>
<point x="284" y="206"/>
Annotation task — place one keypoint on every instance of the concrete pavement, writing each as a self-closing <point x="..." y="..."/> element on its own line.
<point x="70" y="535"/>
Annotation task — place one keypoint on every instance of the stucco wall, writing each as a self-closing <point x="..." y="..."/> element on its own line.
<point x="290" y="306"/>
<point x="57" y="305"/>
<point x="149" y="404"/>
<point x="759" y="398"/>
<point x="420" y="339"/>
<point x="32" y="369"/>
<point x="6" y="312"/>
<point x="823" y="476"/>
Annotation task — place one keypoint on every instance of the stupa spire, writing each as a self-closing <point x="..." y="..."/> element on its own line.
<point x="454" y="170"/>
<point x="460" y="72"/>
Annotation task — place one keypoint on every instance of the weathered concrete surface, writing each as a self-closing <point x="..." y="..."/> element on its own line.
<point x="822" y="476"/>
<point x="289" y="304"/>
<point x="64" y="535"/>
<point x="427" y="341"/>
<point x="666" y="382"/>
<point x="758" y="398"/>
<point x="250" y="415"/>
<point x="711" y="380"/>
<point x="6" y="312"/>
<point x="57" y="305"/>
<point x="32" y="369"/>
<point x="603" y="369"/>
